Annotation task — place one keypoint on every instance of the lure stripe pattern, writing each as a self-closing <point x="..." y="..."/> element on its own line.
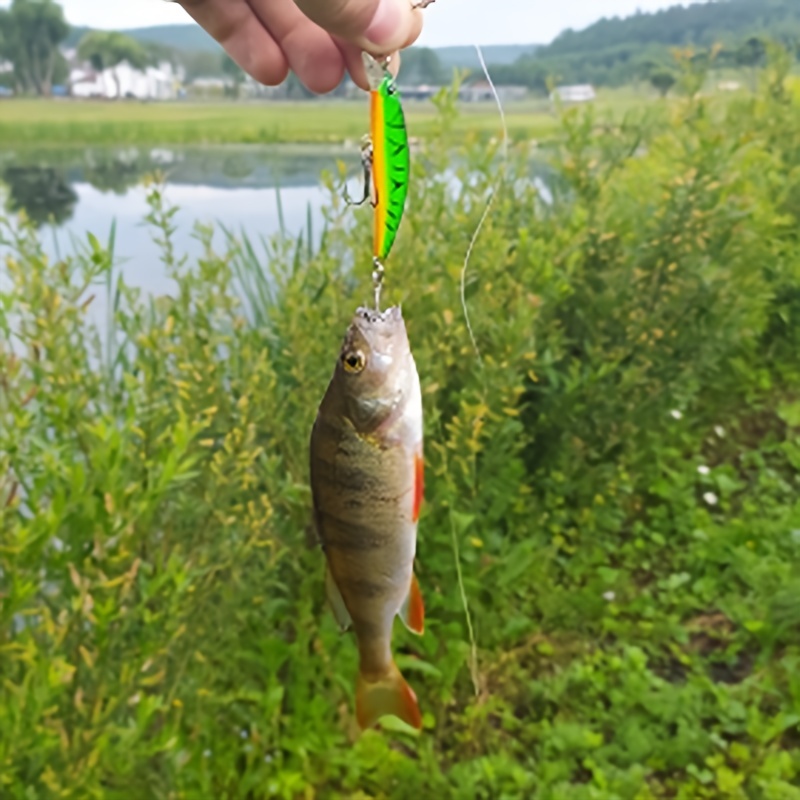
<point x="390" y="165"/>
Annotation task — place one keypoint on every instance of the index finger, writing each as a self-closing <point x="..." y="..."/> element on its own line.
<point x="377" y="26"/>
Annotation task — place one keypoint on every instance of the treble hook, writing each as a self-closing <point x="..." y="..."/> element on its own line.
<point x="366" y="165"/>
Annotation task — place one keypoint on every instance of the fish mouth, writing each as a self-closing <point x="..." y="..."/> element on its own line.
<point x="382" y="332"/>
<point x="372" y="316"/>
<point x="375" y="72"/>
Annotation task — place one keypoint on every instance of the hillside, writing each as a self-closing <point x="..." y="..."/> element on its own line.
<point x="188" y="37"/>
<point x="616" y="51"/>
<point x="611" y="52"/>
<point x="725" y="21"/>
<point x="193" y="39"/>
<point x="467" y="57"/>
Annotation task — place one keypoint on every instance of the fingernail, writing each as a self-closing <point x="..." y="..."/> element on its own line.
<point x="385" y="28"/>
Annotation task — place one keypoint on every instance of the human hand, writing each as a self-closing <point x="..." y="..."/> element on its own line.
<point x="316" y="39"/>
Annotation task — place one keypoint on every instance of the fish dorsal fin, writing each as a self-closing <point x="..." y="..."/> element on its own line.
<point x="412" y="612"/>
<point x="336" y="601"/>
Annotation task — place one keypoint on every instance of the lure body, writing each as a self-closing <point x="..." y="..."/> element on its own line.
<point x="390" y="157"/>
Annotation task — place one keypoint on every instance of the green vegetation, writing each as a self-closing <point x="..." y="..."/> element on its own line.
<point x="613" y="52"/>
<point x="30" y="35"/>
<point x="617" y="479"/>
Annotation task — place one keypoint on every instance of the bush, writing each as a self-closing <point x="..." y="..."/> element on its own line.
<point x="616" y="478"/>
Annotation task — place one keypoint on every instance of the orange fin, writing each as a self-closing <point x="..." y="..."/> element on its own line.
<point x="419" y="485"/>
<point x="412" y="611"/>
<point x="390" y="695"/>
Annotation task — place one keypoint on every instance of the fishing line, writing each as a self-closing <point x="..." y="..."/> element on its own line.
<point x="473" y="661"/>
<point x="473" y="644"/>
<point x="489" y="202"/>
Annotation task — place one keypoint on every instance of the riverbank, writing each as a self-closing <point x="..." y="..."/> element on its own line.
<point x="89" y="122"/>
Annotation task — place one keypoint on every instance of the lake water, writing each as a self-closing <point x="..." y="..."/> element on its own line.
<point x="254" y="189"/>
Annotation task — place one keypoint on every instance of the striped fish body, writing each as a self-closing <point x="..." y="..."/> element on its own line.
<point x="366" y="480"/>
<point x="390" y="156"/>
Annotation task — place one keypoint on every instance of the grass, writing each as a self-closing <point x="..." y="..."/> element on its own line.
<point x="62" y="122"/>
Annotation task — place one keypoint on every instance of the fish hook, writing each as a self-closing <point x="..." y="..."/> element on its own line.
<point x="366" y="165"/>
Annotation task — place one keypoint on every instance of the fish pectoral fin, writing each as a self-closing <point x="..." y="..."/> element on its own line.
<point x="412" y="612"/>
<point x="336" y="601"/>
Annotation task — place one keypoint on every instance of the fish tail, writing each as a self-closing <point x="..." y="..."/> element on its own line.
<point x="390" y="694"/>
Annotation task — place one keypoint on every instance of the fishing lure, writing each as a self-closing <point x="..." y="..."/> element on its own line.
<point x="385" y="160"/>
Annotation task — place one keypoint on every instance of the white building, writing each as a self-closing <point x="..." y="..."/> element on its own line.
<point x="482" y="92"/>
<point x="582" y="93"/>
<point x="151" y="83"/>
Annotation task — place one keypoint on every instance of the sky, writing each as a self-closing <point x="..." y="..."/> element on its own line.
<point x="447" y="22"/>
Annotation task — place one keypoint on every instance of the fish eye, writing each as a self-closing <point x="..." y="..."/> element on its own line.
<point x="354" y="361"/>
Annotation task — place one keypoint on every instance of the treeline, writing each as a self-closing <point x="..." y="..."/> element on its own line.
<point x="616" y="51"/>
<point x="32" y="37"/>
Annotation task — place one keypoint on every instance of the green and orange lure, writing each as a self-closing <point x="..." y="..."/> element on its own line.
<point x="386" y="162"/>
<point x="390" y="156"/>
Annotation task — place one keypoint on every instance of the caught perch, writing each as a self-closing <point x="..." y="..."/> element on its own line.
<point x="367" y="487"/>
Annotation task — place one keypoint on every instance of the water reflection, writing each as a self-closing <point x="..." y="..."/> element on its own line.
<point x="257" y="191"/>
<point x="43" y="193"/>
<point x="43" y="182"/>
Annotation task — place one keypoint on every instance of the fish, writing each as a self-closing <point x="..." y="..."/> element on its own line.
<point x="367" y="486"/>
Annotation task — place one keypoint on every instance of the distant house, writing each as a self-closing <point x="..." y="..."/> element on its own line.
<point x="211" y="84"/>
<point x="481" y="92"/>
<point x="580" y="93"/>
<point x="423" y="92"/>
<point x="151" y="83"/>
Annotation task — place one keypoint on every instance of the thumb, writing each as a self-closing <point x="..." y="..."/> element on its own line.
<point x="378" y="26"/>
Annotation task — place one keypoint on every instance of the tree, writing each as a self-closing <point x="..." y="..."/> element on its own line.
<point x="30" y="33"/>
<point x="232" y="71"/>
<point x="106" y="50"/>
<point x="421" y="65"/>
<point x="662" y="80"/>
<point x="43" y="193"/>
<point x="295" y="89"/>
<point x="751" y="55"/>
